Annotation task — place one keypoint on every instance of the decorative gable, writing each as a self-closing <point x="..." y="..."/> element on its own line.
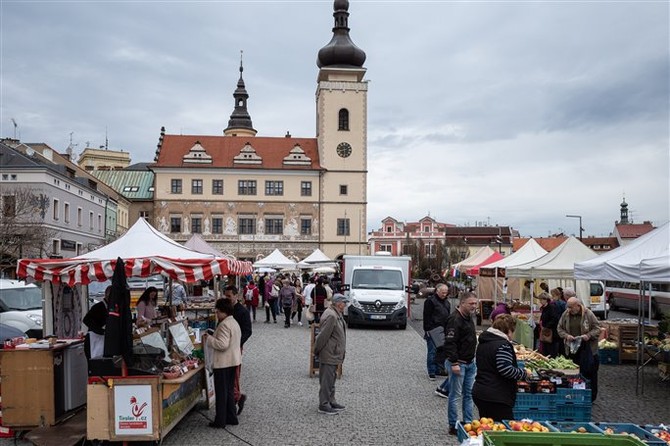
<point x="248" y="155"/>
<point x="197" y="155"/>
<point x="297" y="157"/>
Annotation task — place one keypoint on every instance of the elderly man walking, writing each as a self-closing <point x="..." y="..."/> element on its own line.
<point x="330" y="344"/>
<point x="580" y="330"/>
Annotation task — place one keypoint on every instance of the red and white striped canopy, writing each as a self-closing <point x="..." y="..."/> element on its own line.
<point x="84" y="271"/>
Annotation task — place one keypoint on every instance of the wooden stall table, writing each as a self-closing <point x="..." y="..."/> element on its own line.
<point x="140" y="408"/>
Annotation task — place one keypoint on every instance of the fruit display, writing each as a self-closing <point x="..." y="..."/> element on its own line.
<point x="525" y="354"/>
<point x="604" y="344"/>
<point x="662" y="434"/>
<point x="558" y="363"/>
<point x="476" y="427"/>
<point x="527" y="426"/>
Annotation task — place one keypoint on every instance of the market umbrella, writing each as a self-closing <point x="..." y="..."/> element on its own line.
<point x="118" y="331"/>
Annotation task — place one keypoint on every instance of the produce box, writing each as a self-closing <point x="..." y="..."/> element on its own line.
<point x="557" y="439"/>
<point x="534" y="401"/>
<point x="609" y="356"/>
<point x="627" y="428"/>
<point x="573" y="396"/>
<point x="662" y="432"/>
<point x="515" y="425"/>
<point x="574" y="412"/>
<point x="576" y="427"/>
<point x="535" y="414"/>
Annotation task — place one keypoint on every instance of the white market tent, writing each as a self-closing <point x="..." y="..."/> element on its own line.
<point x="315" y="259"/>
<point x="475" y="259"/>
<point x="625" y="263"/>
<point x="196" y="243"/>
<point x="275" y="260"/>
<point x="491" y="276"/>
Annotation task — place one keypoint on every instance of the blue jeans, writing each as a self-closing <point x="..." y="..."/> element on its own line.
<point x="431" y="366"/>
<point x="460" y="392"/>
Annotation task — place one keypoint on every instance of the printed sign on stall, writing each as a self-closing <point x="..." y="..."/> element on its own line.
<point x="133" y="412"/>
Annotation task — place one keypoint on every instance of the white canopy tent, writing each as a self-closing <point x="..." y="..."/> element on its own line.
<point x="197" y="243"/>
<point x="276" y="260"/>
<point x="475" y="259"/>
<point x="492" y="275"/>
<point x="316" y="259"/>
<point x="656" y="269"/>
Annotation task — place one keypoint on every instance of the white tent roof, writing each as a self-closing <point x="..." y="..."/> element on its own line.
<point x="143" y="240"/>
<point x="475" y="259"/>
<point x="529" y="252"/>
<point x="317" y="257"/>
<point x="656" y="269"/>
<point x="275" y="260"/>
<point x="197" y="243"/>
<point x="558" y="264"/>
<point x="624" y="263"/>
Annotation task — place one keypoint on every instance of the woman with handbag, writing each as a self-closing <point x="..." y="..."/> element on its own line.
<point x="549" y="318"/>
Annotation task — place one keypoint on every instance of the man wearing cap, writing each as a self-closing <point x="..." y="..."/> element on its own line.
<point x="330" y="345"/>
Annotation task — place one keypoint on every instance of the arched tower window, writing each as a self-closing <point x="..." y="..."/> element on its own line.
<point x="343" y="119"/>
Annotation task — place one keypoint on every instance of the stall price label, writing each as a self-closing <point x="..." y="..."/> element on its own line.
<point x="556" y="379"/>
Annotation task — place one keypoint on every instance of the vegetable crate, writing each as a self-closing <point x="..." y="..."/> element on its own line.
<point x="609" y="356"/>
<point x="534" y="414"/>
<point x="534" y="401"/>
<point x="569" y="426"/>
<point x="557" y="439"/>
<point x="658" y="431"/>
<point x="574" y="412"/>
<point x="626" y="428"/>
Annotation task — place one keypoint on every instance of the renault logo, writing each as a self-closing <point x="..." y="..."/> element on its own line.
<point x="378" y="304"/>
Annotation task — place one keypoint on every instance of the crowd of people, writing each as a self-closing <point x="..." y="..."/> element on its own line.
<point x="482" y="370"/>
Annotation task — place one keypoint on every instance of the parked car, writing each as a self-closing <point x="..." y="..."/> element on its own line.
<point x="21" y="307"/>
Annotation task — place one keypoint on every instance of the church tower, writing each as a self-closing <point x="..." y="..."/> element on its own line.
<point x="624" y="212"/>
<point x="341" y="121"/>
<point x="240" y="121"/>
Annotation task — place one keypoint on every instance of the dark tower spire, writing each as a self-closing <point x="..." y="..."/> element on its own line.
<point x="240" y="121"/>
<point x="341" y="51"/>
<point x="624" y="212"/>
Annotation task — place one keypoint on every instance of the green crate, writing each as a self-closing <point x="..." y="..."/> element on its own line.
<point x="557" y="439"/>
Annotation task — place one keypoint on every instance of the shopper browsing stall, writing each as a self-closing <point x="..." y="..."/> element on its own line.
<point x="243" y="319"/>
<point x="96" y="320"/>
<point x="146" y="306"/>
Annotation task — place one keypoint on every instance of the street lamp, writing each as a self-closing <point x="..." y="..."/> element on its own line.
<point x="581" y="230"/>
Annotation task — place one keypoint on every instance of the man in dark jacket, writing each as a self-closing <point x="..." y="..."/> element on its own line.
<point x="243" y="318"/>
<point x="460" y="344"/>
<point x="436" y="311"/>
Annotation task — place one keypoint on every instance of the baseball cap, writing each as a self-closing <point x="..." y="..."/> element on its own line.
<point x="337" y="297"/>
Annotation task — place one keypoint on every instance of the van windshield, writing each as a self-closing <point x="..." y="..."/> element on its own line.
<point x="377" y="279"/>
<point x="21" y="299"/>
<point x="596" y="289"/>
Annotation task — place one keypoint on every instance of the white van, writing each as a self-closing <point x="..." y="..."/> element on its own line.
<point x="598" y="303"/>
<point x="21" y="307"/>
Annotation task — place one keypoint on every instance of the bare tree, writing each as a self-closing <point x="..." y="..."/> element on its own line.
<point x="23" y="232"/>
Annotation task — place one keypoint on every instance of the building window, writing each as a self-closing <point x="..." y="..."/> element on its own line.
<point x="343" y="226"/>
<point x="343" y="119"/>
<point x="305" y="226"/>
<point x="9" y="206"/>
<point x="144" y="215"/>
<point x="246" y="187"/>
<point x="426" y="229"/>
<point x="196" y="224"/>
<point x="175" y="224"/>
<point x="78" y="249"/>
<point x="55" y="247"/>
<point x="306" y="188"/>
<point x="66" y="212"/>
<point x="274" y="225"/>
<point x="344" y="189"/>
<point x="247" y="225"/>
<point x="430" y="250"/>
<point x="406" y="250"/>
<point x="175" y="186"/>
<point x="13" y="177"/>
<point x="100" y="224"/>
<point x="385" y="248"/>
<point x="78" y="216"/>
<point x="196" y="187"/>
<point x="274" y="188"/>
<point x="56" y="209"/>
<point x="217" y="225"/>
<point x="5" y="177"/>
<point x="217" y="187"/>
<point x="90" y="220"/>
<point x="389" y="229"/>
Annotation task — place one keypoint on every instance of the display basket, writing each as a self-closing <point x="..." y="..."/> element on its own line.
<point x="506" y="438"/>
<point x="534" y="401"/>
<point x="543" y="423"/>
<point x="629" y="428"/>
<point x="571" y="426"/>
<point x="654" y="429"/>
<point x="574" y="413"/>
<point x="572" y="396"/>
<point x="535" y="414"/>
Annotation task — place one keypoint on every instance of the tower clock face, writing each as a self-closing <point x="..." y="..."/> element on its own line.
<point x="344" y="149"/>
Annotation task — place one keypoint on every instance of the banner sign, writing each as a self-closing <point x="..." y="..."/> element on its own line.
<point x="133" y="411"/>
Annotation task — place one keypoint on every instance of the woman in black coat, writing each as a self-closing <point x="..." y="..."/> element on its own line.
<point x="549" y="323"/>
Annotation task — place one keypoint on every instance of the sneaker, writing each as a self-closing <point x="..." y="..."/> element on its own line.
<point x="327" y="410"/>
<point x="431" y="376"/>
<point x="337" y="407"/>
<point x="300" y="324"/>
<point x="275" y="321"/>
<point x="452" y="430"/>
<point x="441" y="393"/>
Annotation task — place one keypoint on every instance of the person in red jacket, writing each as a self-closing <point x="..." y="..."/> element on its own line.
<point x="251" y="298"/>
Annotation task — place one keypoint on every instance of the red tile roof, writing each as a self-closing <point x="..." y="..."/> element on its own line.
<point x="547" y="243"/>
<point x="633" y="230"/>
<point x="223" y="149"/>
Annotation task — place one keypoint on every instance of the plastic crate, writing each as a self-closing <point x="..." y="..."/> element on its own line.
<point x="462" y="435"/>
<point x="573" y="412"/>
<point x="530" y="401"/>
<point x="655" y="429"/>
<point x="557" y="439"/>
<point x="634" y="429"/>
<point x="570" y="426"/>
<point x="572" y="396"/>
<point x="543" y="423"/>
<point x="535" y="414"/>
<point x="609" y="356"/>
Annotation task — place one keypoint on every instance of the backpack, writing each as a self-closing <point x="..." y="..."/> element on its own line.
<point x="249" y="294"/>
<point x="274" y="293"/>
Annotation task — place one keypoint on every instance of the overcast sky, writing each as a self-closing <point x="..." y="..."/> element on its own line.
<point x="511" y="113"/>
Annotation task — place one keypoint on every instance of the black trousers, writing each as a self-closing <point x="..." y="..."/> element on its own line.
<point x="270" y="308"/>
<point x="495" y="411"/>
<point x="224" y="389"/>
<point x="287" y="315"/>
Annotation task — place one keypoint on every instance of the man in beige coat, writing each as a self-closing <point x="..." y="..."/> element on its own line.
<point x="330" y="345"/>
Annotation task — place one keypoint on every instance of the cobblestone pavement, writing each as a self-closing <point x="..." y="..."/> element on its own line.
<point x="388" y="396"/>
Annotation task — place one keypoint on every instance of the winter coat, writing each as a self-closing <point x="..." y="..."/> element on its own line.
<point x="330" y="344"/>
<point x="226" y="344"/>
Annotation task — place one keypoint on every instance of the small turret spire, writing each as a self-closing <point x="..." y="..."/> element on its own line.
<point x="340" y="51"/>
<point x="240" y="120"/>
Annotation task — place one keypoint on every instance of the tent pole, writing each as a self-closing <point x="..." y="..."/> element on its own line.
<point x="495" y="293"/>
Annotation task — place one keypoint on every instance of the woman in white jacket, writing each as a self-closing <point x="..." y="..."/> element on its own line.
<point x="225" y="344"/>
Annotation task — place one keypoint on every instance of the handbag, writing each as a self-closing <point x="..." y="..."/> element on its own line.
<point x="309" y="315"/>
<point x="546" y="335"/>
<point x="437" y="335"/>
